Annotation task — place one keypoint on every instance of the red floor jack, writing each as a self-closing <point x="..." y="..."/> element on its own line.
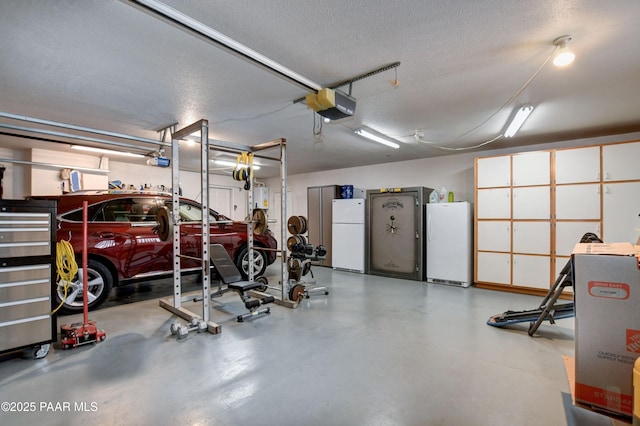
<point x="86" y="332"/>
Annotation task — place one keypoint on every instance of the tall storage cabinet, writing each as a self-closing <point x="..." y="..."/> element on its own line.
<point x="27" y="276"/>
<point x="532" y="208"/>
<point x="319" y="215"/>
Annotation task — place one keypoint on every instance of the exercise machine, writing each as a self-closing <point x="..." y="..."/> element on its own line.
<point x="231" y="277"/>
<point x="549" y="309"/>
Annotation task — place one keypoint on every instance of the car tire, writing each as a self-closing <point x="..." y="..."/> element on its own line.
<point x="259" y="263"/>
<point x="100" y="281"/>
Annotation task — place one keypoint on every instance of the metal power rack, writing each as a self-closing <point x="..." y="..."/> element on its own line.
<point x="202" y="127"/>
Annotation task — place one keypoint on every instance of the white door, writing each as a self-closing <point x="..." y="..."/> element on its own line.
<point x="532" y="237"/>
<point x="578" y="165"/>
<point x="532" y="203"/>
<point x="494" y="172"/>
<point x="578" y="201"/>
<point x="348" y="211"/>
<point x="494" y="203"/>
<point x="568" y="234"/>
<point x="532" y="271"/>
<point x="620" y="161"/>
<point x="620" y="212"/>
<point x="531" y="168"/>
<point x="494" y="235"/>
<point x="348" y="246"/>
<point x="494" y="268"/>
<point x="449" y="242"/>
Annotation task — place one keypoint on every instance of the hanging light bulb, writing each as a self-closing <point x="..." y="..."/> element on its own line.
<point x="564" y="56"/>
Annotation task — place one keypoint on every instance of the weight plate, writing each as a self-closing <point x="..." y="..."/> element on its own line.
<point x="297" y="225"/>
<point x="165" y="227"/>
<point x="260" y="221"/>
<point x="296" y="293"/>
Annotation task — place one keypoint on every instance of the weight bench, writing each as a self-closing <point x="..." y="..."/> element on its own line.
<point x="229" y="275"/>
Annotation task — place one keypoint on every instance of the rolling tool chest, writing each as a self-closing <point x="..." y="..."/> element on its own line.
<point x="27" y="276"/>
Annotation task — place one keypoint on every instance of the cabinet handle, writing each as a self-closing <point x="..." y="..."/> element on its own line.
<point x="607" y="190"/>
<point x="597" y="175"/>
<point x="607" y="176"/>
<point x="598" y="189"/>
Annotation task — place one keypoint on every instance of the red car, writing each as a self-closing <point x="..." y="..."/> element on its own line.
<point x="124" y="245"/>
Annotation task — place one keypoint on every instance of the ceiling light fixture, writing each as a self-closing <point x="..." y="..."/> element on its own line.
<point x="377" y="137"/>
<point x="232" y="164"/>
<point x="518" y="120"/>
<point x="563" y="56"/>
<point x="105" y="151"/>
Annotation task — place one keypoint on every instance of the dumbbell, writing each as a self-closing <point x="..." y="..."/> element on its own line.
<point x="182" y="330"/>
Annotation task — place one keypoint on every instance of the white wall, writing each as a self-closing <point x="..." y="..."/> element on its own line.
<point x="48" y="181"/>
<point x="454" y="172"/>
<point x="22" y="180"/>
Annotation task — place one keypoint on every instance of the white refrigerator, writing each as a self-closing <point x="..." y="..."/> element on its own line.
<point x="449" y="243"/>
<point x="347" y="234"/>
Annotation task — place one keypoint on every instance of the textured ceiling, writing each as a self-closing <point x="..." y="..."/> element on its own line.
<point x="110" y="65"/>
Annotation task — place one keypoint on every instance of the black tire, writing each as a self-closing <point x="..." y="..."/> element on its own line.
<point x="100" y="282"/>
<point x="259" y="263"/>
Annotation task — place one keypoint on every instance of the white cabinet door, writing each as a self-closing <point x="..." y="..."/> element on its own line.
<point x="532" y="237"/>
<point x="621" y="206"/>
<point x="532" y="168"/>
<point x="568" y="234"/>
<point x="494" y="267"/>
<point x="494" y="172"/>
<point x="531" y="271"/>
<point x="532" y="203"/>
<point x="578" y="201"/>
<point x="578" y="165"/>
<point x="620" y="161"/>
<point x="494" y="236"/>
<point x="494" y="203"/>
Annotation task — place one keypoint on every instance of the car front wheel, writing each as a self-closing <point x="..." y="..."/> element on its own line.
<point x="99" y="282"/>
<point x="259" y="263"/>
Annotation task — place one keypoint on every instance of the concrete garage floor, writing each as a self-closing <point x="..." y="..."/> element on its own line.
<point x="376" y="351"/>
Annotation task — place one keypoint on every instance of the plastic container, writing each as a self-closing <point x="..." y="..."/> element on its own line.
<point x="434" y="197"/>
<point x="450" y="197"/>
<point x="346" y="191"/>
<point x="443" y="195"/>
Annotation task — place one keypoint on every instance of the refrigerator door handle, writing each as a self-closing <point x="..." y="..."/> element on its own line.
<point x="428" y="227"/>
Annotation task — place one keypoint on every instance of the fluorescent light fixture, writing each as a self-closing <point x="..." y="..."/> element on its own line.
<point x="564" y="56"/>
<point x="377" y="137"/>
<point x="518" y="120"/>
<point x="105" y="151"/>
<point x="232" y="164"/>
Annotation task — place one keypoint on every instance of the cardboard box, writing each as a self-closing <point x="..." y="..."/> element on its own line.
<point x="607" y="328"/>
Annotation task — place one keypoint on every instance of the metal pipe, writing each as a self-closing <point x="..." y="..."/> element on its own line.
<point x="80" y="128"/>
<point x="198" y="28"/>
<point x="70" y="136"/>
<point x="283" y="214"/>
<point x="55" y="166"/>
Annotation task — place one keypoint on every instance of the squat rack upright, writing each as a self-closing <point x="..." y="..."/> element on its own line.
<point x="202" y="126"/>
